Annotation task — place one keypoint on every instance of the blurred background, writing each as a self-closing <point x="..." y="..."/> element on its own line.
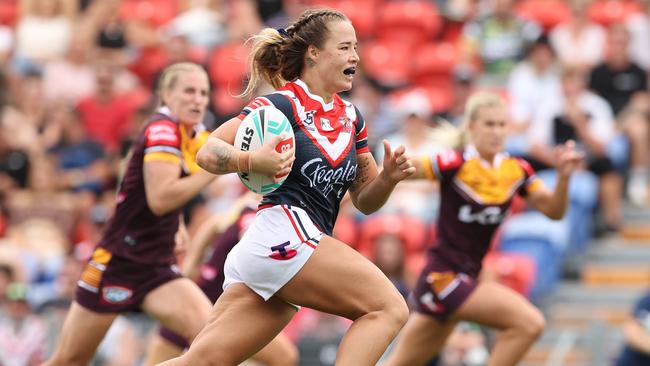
<point x="76" y="82"/>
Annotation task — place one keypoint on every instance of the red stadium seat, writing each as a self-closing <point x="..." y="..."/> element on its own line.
<point x="439" y="96"/>
<point x="412" y="231"/>
<point x="8" y="12"/>
<point x="332" y="4"/>
<point x="388" y="63"/>
<point x="149" y="63"/>
<point x="607" y="12"/>
<point x="226" y="103"/>
<point x="228" y="66"/>
<point x="154" y="12"/>
<point x="434" y="63"/>
<point x="547" y="13"/>
<point x="516" y="271"/>
<point x="362" y="14"/>
<point x="412" y="22"/>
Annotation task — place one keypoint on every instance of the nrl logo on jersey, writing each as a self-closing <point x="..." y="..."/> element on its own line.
<point x="308" y="122"/>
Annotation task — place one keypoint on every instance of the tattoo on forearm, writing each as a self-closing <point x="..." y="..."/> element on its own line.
<point x="224" y="156"/>
<point x="362" y="175"/>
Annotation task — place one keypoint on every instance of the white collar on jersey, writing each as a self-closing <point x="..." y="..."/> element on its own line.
<point x="166" y="111"/>
<point x="471" y="152"/>
<point x="318" y="98"/>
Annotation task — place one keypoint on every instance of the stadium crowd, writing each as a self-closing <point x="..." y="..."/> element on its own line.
<point x="76" y="85"/>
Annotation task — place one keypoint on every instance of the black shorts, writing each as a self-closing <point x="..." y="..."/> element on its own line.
<point x="112" y="284"/>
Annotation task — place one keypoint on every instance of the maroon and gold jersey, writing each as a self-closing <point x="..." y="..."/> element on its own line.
<point x="475" y="198"/>
<point x="135" y="232"/>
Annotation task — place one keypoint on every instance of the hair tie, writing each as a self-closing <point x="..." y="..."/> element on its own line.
<point x="283" y="32"/>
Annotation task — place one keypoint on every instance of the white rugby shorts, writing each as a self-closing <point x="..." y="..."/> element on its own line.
<point x="274" y="248"/>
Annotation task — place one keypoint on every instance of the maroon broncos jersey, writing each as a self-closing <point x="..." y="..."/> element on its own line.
<point x="475" y="198"/>
<point x="135" y="232"/>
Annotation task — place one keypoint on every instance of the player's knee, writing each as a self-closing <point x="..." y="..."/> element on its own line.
<point x="393" y="314"/>
<point x="399" y="312"/>
<point x="532" y="326"/>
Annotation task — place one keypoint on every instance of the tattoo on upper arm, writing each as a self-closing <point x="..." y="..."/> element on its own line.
<point x="224" y="156"/>
<point x="362" y="175"/>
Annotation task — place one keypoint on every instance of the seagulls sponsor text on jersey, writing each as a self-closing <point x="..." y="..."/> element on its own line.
<point x="327" y="179"/>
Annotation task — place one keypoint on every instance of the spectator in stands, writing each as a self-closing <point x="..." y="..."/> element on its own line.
<point x="416" y="134"/>
<point x="635" y="121"/>
<point x="22" y="333"/>
<point x="637" y="336"/>
<point x="638" y="24"/>
<point x="202" y="23"/>
<point x="499" y="40"/>
<point x="624" y="84"/>
<point x="466" y="346"/>
<point x="106" y="114"/>
<point x="464" y="80"/>
<point x="580" y="115"/>
<point x="579" y="41"/>
<point x="390" y="257"/>
<point x="533" y="81"/>
<point x="373" y="102"/>
<point x="274" y="13"/>
<point x="44" y="30"/>
<point x="618" y="79"/>
<point x="14" y="167"/>
<point x="70" y="78"/>
<point x="24" y="121"/>
<point x="81" y="160"/>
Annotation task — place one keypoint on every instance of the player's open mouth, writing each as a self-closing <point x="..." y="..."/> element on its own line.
<point x="350" y="71"/>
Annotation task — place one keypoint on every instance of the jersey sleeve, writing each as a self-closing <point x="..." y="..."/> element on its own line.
<point x="442" y="166"/>
<point x="252" y="105"/>
<point x="531" y="181"/>
<point x="361" y="134"/>
<point x="162" y="142"/>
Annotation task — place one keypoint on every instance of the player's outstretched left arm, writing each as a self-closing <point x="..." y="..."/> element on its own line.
<point x="554" y="204"/>
<point x="371" y="187"/>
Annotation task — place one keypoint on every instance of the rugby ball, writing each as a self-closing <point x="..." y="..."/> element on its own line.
<point x="260" y="124"/>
